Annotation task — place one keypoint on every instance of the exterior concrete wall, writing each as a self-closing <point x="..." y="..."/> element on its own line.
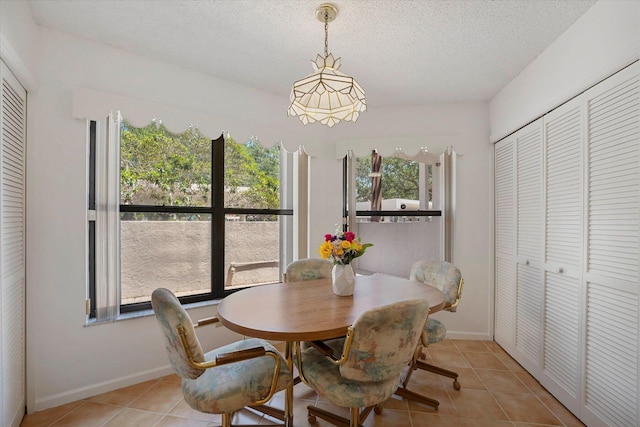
<point x="177" y="255"/>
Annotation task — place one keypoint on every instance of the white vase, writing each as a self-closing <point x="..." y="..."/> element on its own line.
<point x="343" y="280"/>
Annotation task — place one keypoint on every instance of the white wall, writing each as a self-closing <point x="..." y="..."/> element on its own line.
<point x="467" y="125"/>
<point x="602" y="41"/>
<point x="19" y="39"/>
<point x="398" y="245"/>
<point x="68" y="360"/>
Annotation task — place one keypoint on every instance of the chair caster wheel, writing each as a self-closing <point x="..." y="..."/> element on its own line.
<point x="456" y="385"/>
<point x="377" y="410"/>
<point x="311" y="419"/>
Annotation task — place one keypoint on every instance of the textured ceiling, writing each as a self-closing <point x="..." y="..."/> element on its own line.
<point x="402" y="52"/>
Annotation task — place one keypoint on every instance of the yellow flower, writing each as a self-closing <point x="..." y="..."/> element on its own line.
<point x="325" y="250"/>
<point x="341" y="247"/>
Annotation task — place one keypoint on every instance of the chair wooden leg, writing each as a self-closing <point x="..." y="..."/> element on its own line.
<point x="355" y="420"/>
<point x="410" y="395"/>
<point x="269" y="410"/>
<point x="440" y="371"/>
<point x="226" y="420"/>
<point x="403" y="392"/>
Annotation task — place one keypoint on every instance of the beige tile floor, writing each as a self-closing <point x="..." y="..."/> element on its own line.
<point x="496" y="392"/>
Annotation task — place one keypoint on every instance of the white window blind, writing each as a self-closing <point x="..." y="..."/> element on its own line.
<point x="108" y="220"/>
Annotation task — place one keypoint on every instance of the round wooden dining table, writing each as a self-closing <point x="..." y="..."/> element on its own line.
<point x="309" y="311"/>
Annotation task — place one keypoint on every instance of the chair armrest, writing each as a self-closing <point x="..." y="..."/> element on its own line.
<point x="246" y="354"/>
<point x="453" y="307"/>
<point x="235" y="356"/>
<point x="325" y="351"/>
<point x="206" y="321"/>
<point x="323" y="348"/>
<point x="240" y="355"/>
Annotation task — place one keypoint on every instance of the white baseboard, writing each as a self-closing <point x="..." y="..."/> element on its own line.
<point x="114" y="384"/>
<point x="17" y="417"/>
<point x="47" y="402"/>
<point x="476" y="336"/>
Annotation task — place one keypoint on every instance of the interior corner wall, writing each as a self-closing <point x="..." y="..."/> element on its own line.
<point x="605" y="39"/>
<point x="67" y="360"/>
<point x="19" y="42"/>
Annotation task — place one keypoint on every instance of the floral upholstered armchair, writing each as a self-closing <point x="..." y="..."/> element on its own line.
<point x="378" y="346"/>
<point x="448" y="278"/>
<point x="224" y="380"/>
<point x="307" y="269"/>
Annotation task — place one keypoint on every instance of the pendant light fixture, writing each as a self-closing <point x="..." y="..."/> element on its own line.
<point x="327" y="95"/>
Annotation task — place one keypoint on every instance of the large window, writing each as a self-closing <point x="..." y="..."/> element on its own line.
<point x="200" y="217"/>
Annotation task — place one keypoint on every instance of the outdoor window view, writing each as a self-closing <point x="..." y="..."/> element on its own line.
<point x="199" y="217"/>
<point x="392" y="184"/>
<point x="397" y="209"/>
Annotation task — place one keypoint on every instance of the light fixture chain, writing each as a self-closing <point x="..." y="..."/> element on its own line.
<point x="326" y="33"/>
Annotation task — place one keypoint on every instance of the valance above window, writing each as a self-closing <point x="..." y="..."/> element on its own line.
<point x="215" y="118"/>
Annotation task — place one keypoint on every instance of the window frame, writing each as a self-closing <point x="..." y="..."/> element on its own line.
<point x="443" y="196"/>
<point x="349" y="198"/>
<point x="216" y="210"/>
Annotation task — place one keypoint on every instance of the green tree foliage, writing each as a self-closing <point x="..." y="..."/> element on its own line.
<point x="400" y="179"/>
<point x="161" y="168"/>
<point x="268" y="160"/>
<point x="251" y="176"/>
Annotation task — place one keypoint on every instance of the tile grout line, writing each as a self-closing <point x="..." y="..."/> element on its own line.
<point x="473" y="369"/>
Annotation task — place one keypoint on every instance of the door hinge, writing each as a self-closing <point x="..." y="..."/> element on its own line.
<point x="87" y="307"/>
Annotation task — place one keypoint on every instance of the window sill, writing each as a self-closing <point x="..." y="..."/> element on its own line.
<point x="147" y="313"/>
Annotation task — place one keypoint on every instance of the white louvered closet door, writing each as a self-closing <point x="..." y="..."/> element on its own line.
<point x="505" y="200"/>
<point x="530" y="225"/>
<point x="613" y="243"/>
<point x="12" y="237"/>
<point x="563" y="135"/>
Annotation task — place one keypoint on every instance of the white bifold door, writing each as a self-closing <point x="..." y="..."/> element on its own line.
<point x="12" y="237"/>
<point x="567" y="224"/>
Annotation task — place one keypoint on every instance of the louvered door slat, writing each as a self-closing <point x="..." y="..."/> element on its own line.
<point x="12" y="268"/>
<point x="611" y="363"/>
<point x="562" y="329"/>
<point x="613" y="250"/>
<point x="564" y="186"/>
<point x="614" y="174"/>
<point x="616" y="165"/>
<point x="529" y="244"/>
<point x="563" y="131"/>
<point x="505" y="243"/>
<point x="505" y="301"/>
<point x="505" y="200"/>
<point x="528" y="318"/>
<point x="529" y="181"/>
